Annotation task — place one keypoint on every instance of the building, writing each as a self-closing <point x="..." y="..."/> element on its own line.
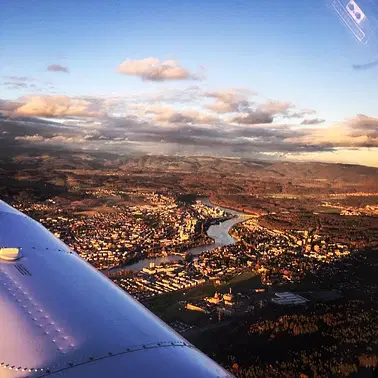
<point x="286" y="298"/>
<point x="193" y="307"/>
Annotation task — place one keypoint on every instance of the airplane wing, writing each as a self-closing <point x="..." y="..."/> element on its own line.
<point x="60" y="317"/>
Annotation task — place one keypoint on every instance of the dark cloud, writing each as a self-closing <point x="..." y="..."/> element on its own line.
<point x="180" y="118"/>
<point x="364" y="122"/>
<point x="9" y="106"/>
<point x="300" y="114"/>
<point x="89" y="123"/>
<point x="266" y="113"/>
<point x="366" y="66"/>
<point x="133" y="135"/>
<point x="365" y="129"/>
<point x="166" y="114"/>
<point x="186" y="118"/>
<point x="242" y="139"/>
<point x="57" y="68"/>
<point x="255" y="117"/>
<point x="314" y="121"/>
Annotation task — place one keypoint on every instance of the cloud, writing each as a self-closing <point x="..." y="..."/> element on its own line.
<point x="363" y="122"/>
<point x="19" y="82"/>
<point x="166" y="114"/>
<point x="190" y="94"/>
<point x="263" y="113"/>
<point x="19" y="85"/>
<point x="313" y="121"/>
<point x="304" y="112"/>
<point x="57" y="139"/>
<point x="191" y="117"/>
<point x="30" y="138"/>
<point x="360" y="156"/>
<point x="184" y="132"/>
<point x="228" y="102"/>
<point x="254" y="117"/>
<point x="217" y="122"/>
<point x="366" y="66"/>
<point x="211" y="139"/>
<point x="15" y="85"/>
<point x="56" y="106"/>
<point x="8" y="106"/>
<point x="26" y="83"/>
<point x="19" y="78"/>
<point x="153" y="69"/>
<point x="57" y="68"/>
<point x="360" y="131"/>
<point x="300" y="113"/>
<point x="274" y="107"/>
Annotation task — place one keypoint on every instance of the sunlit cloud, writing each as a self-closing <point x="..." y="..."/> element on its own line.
<point x="56" y="106"/>
<point x="157" y="122"/>
<point x="153" y="69"/>
<point x="360" y="156"/>
<point x="228" y="101"/>
<point x="361" y="131"/>
<point x="275" y="107"/>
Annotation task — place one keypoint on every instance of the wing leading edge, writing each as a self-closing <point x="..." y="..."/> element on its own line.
<point x="61" y="317"/>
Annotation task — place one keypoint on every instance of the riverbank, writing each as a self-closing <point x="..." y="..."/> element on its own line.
<point x="234" y="207"/>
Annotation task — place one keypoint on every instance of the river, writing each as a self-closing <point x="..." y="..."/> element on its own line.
<point x="218" y="232"/>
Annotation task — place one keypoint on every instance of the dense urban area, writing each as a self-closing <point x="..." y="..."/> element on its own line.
<point x="271" y="271"/>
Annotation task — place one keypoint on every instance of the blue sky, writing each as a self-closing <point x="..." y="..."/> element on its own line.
<point x="295" y="51"/>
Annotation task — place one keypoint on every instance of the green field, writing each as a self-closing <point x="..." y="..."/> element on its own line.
<point x="244" y="281"/>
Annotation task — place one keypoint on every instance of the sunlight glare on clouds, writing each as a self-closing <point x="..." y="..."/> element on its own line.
<point x="361" y="156"/>
<point x="55" y="106"/>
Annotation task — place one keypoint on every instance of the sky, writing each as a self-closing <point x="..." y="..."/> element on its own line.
<point x="267" y="79"/>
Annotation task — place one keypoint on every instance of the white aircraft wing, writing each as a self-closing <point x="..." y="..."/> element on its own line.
<point x="60" y="317"/>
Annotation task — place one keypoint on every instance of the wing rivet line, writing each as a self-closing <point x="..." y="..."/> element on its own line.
<point x="42" y="372"/>
<point x="134" y="348"/>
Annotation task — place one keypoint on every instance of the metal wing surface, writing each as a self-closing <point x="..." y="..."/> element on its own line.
<point x="60" y="317"/>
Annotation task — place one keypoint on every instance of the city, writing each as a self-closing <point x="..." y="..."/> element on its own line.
<point x="203" y="268"/>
